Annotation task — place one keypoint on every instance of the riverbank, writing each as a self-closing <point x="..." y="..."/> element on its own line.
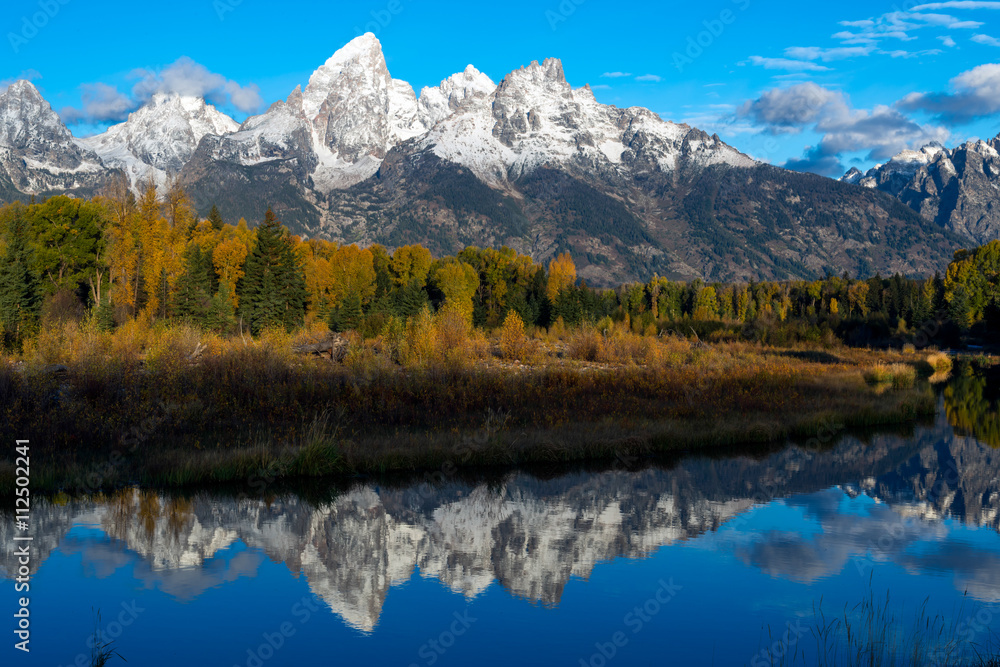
<point x="253" y="412"/>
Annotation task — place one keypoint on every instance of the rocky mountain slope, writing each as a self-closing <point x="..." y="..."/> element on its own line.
<point x="38" y="154"/>
<point x="531" y="162"/>
<point x="160" y="138"/>
<point x="959" y="189"/>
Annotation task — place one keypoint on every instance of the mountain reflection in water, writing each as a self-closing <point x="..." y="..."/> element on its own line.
<point x="883" y="500"/>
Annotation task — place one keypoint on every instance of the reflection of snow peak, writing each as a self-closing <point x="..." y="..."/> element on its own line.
<point x="532" y="536"/>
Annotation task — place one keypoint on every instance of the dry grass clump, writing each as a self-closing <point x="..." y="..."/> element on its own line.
<point x="615" y="345"/>
<point x="940" y="362"/>
<point x="898" y="376"/>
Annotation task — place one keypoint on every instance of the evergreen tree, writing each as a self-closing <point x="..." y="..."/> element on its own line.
<point x="348" y="316"/>
<point x="20" y="287"/>
<point x="215" y="218"/>
<point x="221" y="314"/>
<point x="104" y="313"/>
<point x="273" y="291"/>
<point x="192" y="295"/>
<point x="410" y="299"/>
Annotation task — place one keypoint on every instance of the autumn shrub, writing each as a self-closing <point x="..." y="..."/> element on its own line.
<point x="585" y="345"/>
<point x="878" y="374"/>
<point x="62" y="307"/>
<point x="513" y="341"/>
<point x="451" y="333"/>
<point x="904" y="376"/>
<point x="939" y="362"/>
<point x="173" y="348"/>
<point x="420" y="338"/>
<point x="899" y="376"/>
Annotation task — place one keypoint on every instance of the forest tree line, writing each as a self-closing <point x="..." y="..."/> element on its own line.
<point x="121" y="256"/>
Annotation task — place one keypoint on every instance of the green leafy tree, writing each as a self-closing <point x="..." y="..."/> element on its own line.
<point x="68" y="241"/>
<point x="273" y="291"/>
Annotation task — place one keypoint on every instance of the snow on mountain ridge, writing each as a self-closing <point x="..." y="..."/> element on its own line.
<point x="159" y="138"/>
<point x="37" y="150"/>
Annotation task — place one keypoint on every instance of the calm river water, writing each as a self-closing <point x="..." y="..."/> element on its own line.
<point x="725" y="561"/>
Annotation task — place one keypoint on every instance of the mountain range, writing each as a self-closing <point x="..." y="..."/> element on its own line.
<point x="531" y="162"/>
<point x="958" y="189"/>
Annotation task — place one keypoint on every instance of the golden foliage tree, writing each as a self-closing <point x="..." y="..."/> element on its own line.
<point x="410" y="263"/>
<point x="458" y="282"/>
<point x="512" y="338"/>
<point x="562" y="275"/>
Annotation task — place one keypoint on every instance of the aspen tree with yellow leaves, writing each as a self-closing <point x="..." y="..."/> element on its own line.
<point x="562" y="274"/>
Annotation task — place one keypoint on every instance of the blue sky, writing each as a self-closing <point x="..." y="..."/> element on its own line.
<point x="816" y="86"/>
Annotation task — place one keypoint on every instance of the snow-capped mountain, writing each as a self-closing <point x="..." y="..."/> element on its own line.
<point x="959" y="189"/>
<point x="37" y="152"/>
<point x="532" y="162"/>
<point x="159" y="138"/>
<point x="535" y="118"/>
<point x="350" y="115"/>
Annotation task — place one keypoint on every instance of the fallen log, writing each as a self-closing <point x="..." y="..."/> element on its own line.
<point x="333" y="346"/>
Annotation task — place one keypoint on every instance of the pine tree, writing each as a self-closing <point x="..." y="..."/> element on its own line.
<point x="273" y="291"/>
<point x="348" y="316"/>
<point x="221" y="314"/>
<point x="20" y="287"/>
<point x="410" y="299"/>
<point x="104" y="313"/>
<point x="192" y="295"/>
<point x="215" y="218"/>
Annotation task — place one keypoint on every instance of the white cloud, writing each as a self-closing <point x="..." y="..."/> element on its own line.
<point x="867" y="23"/>
<point x="188" y="78"/>
<point x="649" y="77"/>
<point x="882" y="131"/>
<point x="615" y="75"/>
<point x="898" y="25"/>
<point x="986" y="39"/>
<point x="787" y="64"/>
<point x="957" y="4"/>
<point x="947" y="41"/>
<point x="103" y="103"/>
<point x="827" y="55"/>
<point x="975" y="94"/>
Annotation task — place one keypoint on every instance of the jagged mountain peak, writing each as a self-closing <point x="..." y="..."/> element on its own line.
<point x="462" y="88"/>
<point x="360" y="63"/>
<point x="550" y="70"/>
<point x="22" y="88"/>
<point x="160" y="137"/>
<point x="37" y="150"/>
